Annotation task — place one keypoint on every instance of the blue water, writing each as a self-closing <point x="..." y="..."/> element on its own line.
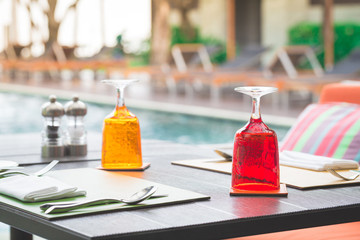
<point x="21" y="114"/>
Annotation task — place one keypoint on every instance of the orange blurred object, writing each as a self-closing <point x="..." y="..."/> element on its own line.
<point x="121" y="148"/>
<point x="345" y="231"/>
<point x="339" y="92"/>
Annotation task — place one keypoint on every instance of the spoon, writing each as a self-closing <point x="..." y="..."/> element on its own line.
<point x="136" y="198"/>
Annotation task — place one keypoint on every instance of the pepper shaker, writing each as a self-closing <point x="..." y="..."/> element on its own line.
<point x="52" y="143"/>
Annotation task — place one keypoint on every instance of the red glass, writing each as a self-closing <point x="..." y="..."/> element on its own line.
<point x="256" y="155"/>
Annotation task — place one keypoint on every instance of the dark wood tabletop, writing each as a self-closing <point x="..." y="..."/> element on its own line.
<point x="222" y="216"/>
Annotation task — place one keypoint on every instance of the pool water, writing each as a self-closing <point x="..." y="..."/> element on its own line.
<point x="21" y="114"/>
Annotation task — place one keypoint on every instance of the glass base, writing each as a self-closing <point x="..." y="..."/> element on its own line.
<point x="255" y="187"/>
<point x="143" y="167"/>
<point x="281" y="192"/>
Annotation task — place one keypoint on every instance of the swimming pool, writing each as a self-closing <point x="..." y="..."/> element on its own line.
<point x="20" y="113"/>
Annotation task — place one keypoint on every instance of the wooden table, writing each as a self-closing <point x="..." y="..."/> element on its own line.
<point x="220" y="217"/>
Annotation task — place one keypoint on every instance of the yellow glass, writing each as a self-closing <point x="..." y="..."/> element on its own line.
<point x="121" y="146"/>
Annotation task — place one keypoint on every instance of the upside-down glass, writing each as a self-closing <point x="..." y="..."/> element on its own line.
<point x="121" y="146"/>
<point x="256" y="155"/>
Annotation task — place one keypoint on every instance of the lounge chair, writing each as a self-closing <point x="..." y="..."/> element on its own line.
<point x="348" y="68"/>
<point x="287" y="57"/>
<point x="241" y="70"/>
<point x="311" y="82"/>
<point x="10" y="59"/>
<point x="185" y="58"/>
<point x="232" y="72"/>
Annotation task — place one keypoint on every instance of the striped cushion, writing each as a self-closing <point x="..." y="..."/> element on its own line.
<point x="331" y="130"/>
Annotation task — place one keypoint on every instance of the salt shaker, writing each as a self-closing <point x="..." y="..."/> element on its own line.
<point x="52" y="143"/>
<point x="75" y="136"/>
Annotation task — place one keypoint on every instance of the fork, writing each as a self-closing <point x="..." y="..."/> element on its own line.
<point x="335" y="173"/>
<point x="38" y="173"/>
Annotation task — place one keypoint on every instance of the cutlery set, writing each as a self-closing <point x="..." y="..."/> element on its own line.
<point x="62" y="207"/>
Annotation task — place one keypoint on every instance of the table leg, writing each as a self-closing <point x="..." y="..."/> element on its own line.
<point x="17" y="234"/>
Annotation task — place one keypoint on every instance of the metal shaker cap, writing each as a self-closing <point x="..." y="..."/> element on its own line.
<point x="52" y="108"/>
<point x="75" y="107"/>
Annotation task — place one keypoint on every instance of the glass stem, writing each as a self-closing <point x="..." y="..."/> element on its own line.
<point x="255" y="108"/>
<point x="120" y="97"/>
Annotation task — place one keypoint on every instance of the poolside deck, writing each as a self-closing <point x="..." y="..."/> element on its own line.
<point x="150" y="94"/>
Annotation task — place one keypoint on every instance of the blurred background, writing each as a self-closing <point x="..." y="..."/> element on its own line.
<point x="147" y="27"/>
<point x="189" y="53"/>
